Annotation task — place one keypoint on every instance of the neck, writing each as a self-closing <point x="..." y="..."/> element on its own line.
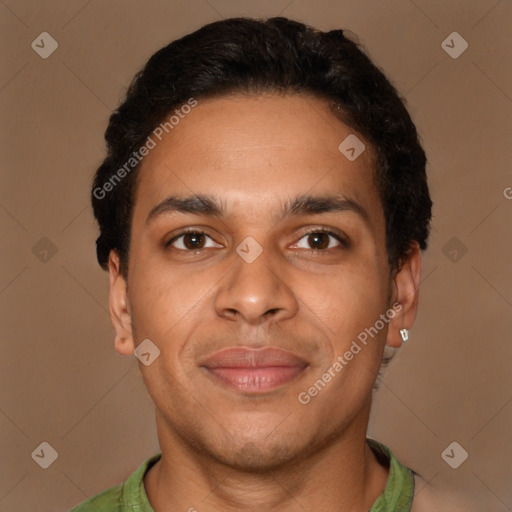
<point x="343" y="475"/>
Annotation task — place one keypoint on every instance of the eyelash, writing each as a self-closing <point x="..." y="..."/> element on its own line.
<point x="344" y="243"/>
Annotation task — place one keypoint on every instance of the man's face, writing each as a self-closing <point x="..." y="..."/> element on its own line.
<point x="310" y="295"/>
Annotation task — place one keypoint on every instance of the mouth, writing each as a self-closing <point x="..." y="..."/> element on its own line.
<point x="254" y="371"/>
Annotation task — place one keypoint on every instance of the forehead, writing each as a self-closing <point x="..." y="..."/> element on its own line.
<point x="256" y="152"/>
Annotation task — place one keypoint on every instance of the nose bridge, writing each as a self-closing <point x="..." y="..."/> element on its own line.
<point x="254" y="287"/>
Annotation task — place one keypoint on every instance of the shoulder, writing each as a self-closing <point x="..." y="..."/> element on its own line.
<point x="431" y="498"/>
<point x="109" y="500"/>
<point x="129" y="495"/>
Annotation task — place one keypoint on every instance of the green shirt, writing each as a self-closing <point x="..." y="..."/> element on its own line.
<point x="131" y="496"/>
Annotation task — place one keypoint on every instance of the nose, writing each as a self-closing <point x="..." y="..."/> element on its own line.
<point x="256" y="292"/>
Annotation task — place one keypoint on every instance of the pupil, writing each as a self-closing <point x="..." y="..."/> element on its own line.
<point x="195" y="238"/>
<point x="317" y="237"/>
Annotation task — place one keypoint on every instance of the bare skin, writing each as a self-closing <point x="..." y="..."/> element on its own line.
<point x="224" y="449"/>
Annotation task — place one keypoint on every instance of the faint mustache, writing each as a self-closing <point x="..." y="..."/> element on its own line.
<point x="302" y="348"/>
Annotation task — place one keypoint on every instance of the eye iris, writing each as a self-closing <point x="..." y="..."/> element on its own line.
<point x="196" y="240"/>
<point x="317" y="240"/>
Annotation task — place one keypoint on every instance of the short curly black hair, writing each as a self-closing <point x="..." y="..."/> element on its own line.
<point x="243" y="55"/>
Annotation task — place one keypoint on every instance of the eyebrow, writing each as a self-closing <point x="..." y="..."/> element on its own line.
<point x="300" y="206"/>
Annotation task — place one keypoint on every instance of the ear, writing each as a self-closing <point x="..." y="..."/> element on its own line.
<point x="405" y="291"/>
<point x="120" y="314"/>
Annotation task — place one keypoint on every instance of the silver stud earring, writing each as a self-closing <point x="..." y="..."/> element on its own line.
<point x="405" y="334"/>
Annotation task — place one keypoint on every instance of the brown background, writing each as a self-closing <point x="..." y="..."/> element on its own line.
<point x="61" y="380"/>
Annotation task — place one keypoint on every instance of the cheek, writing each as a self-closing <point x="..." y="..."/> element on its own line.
<point x="346" y="302"/>
<point x="163" y="299"/>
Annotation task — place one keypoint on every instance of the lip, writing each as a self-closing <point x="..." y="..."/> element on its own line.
<point x="254" y="370"/>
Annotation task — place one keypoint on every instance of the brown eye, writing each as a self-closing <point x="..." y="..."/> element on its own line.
<point x="193" y="240"/>
<point x="189" y="241"/>
<point x="318" y="240"/>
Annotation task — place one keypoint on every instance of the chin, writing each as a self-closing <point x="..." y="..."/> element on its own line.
<point x="257" y="457"/>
